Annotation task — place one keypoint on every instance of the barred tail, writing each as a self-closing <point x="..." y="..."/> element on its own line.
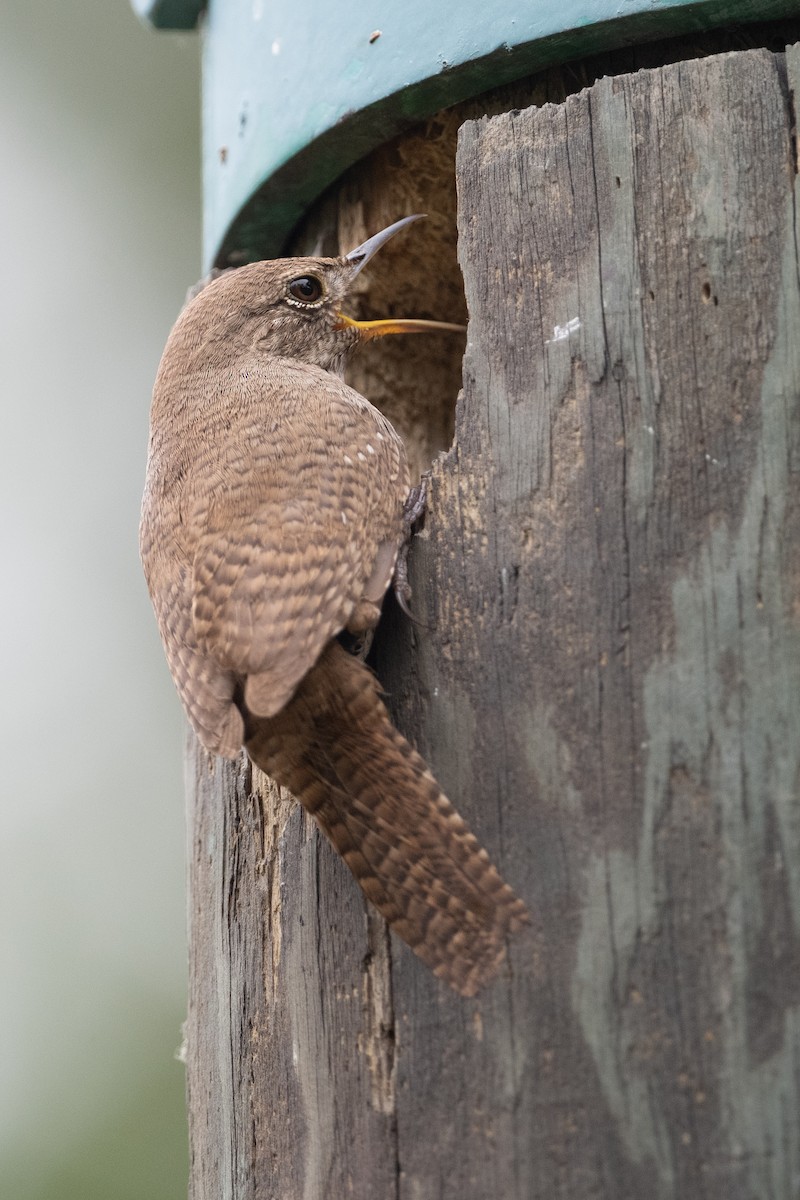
<point x="336" y="750"/>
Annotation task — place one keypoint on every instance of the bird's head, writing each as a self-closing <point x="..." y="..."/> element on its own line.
<point x="291" y="308"/>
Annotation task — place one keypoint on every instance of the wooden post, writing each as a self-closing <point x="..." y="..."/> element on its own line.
<point x="609" y="692"/>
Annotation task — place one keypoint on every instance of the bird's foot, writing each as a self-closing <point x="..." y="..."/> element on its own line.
<point x="413" y="509"/>
<point x="415" y="504"/>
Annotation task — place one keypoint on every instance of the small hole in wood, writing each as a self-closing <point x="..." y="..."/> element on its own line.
<point x="617" y="181"/>
<point x="706" y="293"/>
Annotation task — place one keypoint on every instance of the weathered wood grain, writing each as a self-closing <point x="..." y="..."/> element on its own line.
<point x="611" y="566"/>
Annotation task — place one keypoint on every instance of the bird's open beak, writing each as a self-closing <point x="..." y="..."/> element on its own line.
<point x="363" y="253"/>
<point x="373" y="329"/>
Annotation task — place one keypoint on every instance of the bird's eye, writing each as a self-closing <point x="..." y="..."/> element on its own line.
<point x="307" y="289"/>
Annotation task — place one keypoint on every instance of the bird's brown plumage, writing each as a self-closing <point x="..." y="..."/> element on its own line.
<point x="272" y="519"/>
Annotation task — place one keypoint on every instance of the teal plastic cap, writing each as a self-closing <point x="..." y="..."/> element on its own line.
<point x="169" y="14"/>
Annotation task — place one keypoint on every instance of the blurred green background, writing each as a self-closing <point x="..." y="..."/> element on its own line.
<point x="100" y="230"/>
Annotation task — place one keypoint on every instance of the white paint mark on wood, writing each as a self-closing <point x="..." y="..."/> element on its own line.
<point x="562" y="332"/>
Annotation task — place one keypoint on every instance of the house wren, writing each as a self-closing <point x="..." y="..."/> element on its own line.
<point x="274" y="510"/>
